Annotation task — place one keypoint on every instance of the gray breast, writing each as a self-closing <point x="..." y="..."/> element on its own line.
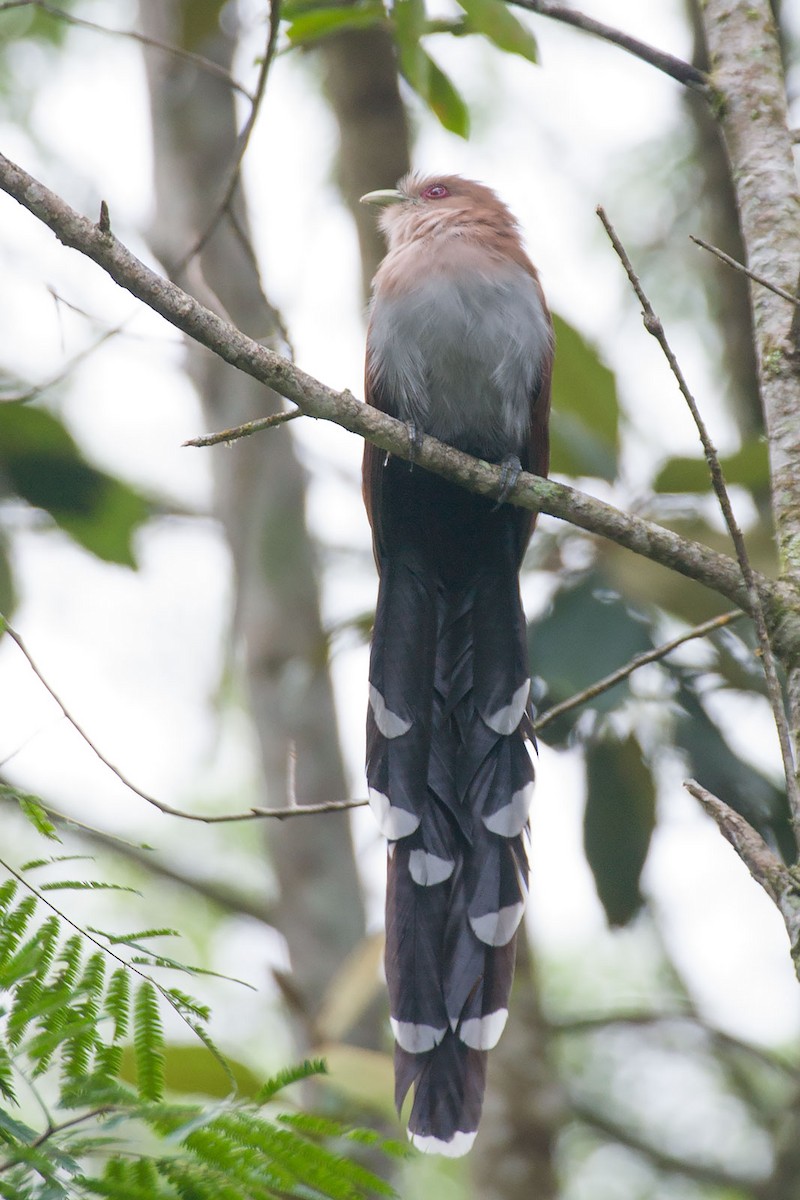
<point x="461" y="355"/>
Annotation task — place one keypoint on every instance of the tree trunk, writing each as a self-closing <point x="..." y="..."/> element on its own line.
<point x="260" y="497"/>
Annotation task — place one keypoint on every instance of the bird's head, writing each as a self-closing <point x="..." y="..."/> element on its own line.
<point x="423" y="205"/>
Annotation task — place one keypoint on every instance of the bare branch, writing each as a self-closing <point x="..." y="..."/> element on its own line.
<point x="653" y="325"/>
<point x="197" y="60"/>
<point x="675" y="67"/>
<point x="737" y="266"/>
<point x="638" y="660"/>
<point x="240" y="431"/>
<point x="692" y="559"/>
<point x="217" y="891"/>
<point x="279" y="814"/>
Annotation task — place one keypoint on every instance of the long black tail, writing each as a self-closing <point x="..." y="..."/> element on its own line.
<point x="450" y="780"/>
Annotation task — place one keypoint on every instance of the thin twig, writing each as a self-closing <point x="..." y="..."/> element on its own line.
<point x="240" y="431"/>
<point x="737" y="266"/>
<point x="638" y="660"/>
<point x="52" y="1130"/>
<point x="653" y="326"/>
<point x="252" y="813"/>
<point x="197" y="60"/>
<point x="39" y="388"/>
<point x="684" y="72"/>
<point x="216" y="891"/>
<point x="243" y="140"/>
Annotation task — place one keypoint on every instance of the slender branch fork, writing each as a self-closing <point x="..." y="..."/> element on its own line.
<point x="653" y="326"/>
<point x="682" y="71"/>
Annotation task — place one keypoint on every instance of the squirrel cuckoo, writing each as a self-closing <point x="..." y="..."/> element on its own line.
<point x="460" y="346"/>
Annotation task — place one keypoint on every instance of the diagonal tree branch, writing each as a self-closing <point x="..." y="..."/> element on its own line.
<point x="675" y="67"/>
<point x="692" y="559"/>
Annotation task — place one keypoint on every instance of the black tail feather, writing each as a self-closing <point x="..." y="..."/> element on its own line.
<point x="450" y="777"/>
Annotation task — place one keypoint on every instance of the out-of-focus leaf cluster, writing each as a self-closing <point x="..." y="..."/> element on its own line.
<point x="42" y="465"/>
<point x="309" y="20"/>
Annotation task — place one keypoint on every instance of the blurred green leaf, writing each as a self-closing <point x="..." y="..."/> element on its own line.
<point x="493" y="20"/>
<point x="749" y="467"/>
<point x="586" y="633"/>
<point x="39" y="819"/>
<point x="424" y="75"/>
<point x="584" y="429"/>
<point x="41" y="463"/>
<point x="618" y="823"/>
<point x="311" y="25"/>
<point x="189" y="1070"/>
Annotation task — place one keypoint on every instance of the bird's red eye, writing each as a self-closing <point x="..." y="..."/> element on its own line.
<point x="437" y="191"/>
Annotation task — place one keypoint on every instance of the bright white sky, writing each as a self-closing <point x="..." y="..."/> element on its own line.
<point x="137" y="656"/>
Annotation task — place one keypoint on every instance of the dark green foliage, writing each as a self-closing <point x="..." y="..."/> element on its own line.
<point x="717" y="765"/>
<point x="584" y="429"/>
<point x="66" y="1005"/>
<point x="41" y="464"/>
<point x="748" y="467"/>
<point x="618" y="823"/>
<point x="589" y="632"/>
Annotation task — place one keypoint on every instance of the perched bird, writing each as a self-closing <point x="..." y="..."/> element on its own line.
<point x="460" y="346"/>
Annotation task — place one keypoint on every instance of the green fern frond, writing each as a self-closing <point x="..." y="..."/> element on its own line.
<point x="7" y="1075"/>
<point x="305" y="1070"/>
<point x="148" y="1042"/>
<point x="33" y="811"/>
<point x="85" y="885"/>
<point x="78" y="1049"/>
<point x="125" y="939"/>
<point x="125" y="1180"/>
<point x="8" y="891"/>
<point x="70" y="957"/>
<point x="108" y="1060"/>
<point x="15" y="924"/>
<point x="150" y="959"/>
<point x="44" y="1044"/>
<point x="35" y="863"/>
<point x="184" y="1004"/>
<point x="34" y="1004"/>
<point x="117" y="1003"/>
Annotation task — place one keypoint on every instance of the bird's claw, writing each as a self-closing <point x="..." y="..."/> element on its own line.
<point x="511" y="469"/>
